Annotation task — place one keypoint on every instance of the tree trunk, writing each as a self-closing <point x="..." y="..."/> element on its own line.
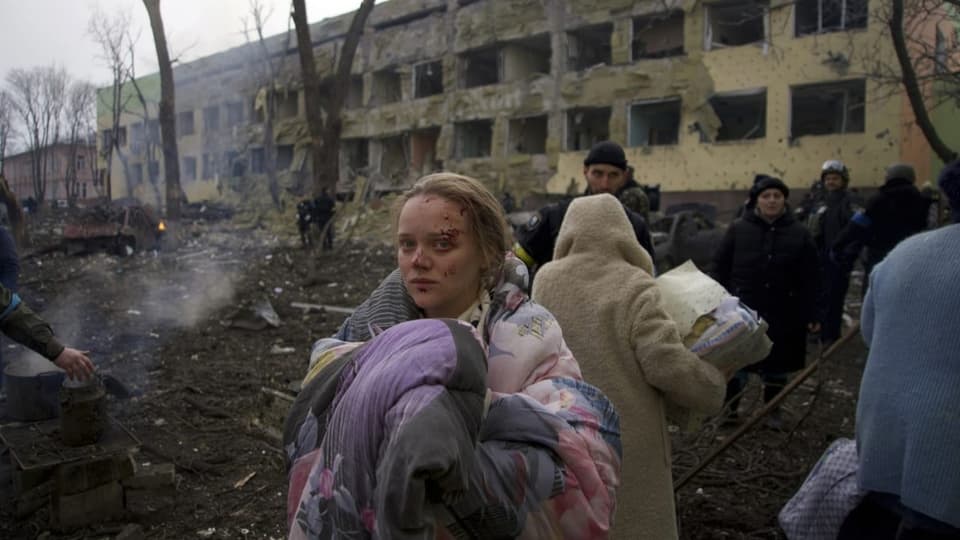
<point x="325" y="132"/>
<point x="168" y="119"/>
<point x="912" y="86"/>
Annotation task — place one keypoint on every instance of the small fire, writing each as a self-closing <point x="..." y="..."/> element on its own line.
<point x="162" y="226"/>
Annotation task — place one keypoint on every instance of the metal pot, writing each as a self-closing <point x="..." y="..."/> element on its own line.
<point x="33" y="389"/>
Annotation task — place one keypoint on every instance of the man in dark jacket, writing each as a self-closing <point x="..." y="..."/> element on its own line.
<point x="605" y="170"/>
<point x="323" y="207"/>
<point x="827" y="219"/>
<point x="305" y="218"/>
<point x="22" y="325"/>
<point x="896" y="212"/>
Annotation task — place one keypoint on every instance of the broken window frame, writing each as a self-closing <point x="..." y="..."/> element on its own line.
<point x="185" y="123"/>
<point x="282" y="104"/>
<point x="355" y="148"/>
<point x="541" y="145"/>
<point x="211" y="118"/>
<point x="208" y="167"/>
<point x="395" y="81"/>
<point x="859" y="24"/>
<point x="650" y="21"/>
<point x="234" y="113"/>
<point x="285" y="154"/>
<point x="189" y="165"/>
<point x="354" y="97"/>
<point x="574" y="57"/>
<point x="651" y="104"/>
<point x="465" y="67"/>
<point x="853" y="118"/>
<point x="532" y="43"/>
<point x="398" y="142"/>
<point x="709" y="44"/>
<point x="258" y="160"/>
<point x="573" y="143"/>
<point x="485" y="150"/>
<point x="426" y="90"/>
<point x="759" y="131"/>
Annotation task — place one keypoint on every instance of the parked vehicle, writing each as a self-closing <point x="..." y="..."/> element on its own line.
<point x="686" y="232"/>
<point x="120" y="227"/>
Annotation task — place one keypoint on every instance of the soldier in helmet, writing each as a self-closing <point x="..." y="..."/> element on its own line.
<point x="828" y="217"/>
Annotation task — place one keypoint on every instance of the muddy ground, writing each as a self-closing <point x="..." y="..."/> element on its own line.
<point x="204" y="389"/>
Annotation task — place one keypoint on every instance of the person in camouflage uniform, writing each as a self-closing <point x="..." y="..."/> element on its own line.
<point x="22" y="325"/>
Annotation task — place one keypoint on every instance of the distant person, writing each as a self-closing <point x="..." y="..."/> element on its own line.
<point x="22" y="325"/>
<point x="508" y="203"/>
<point x="605" y="170"/>
<point x="305" y="218"/>
<point x="896" y="212"/>
<point x="827" y="219"/>
<point x="323" y="208"/>
<point x="908" y="426"/>
<point x="769" y="261"/>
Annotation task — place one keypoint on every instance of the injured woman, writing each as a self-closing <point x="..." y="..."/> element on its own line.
<point x="448" y="404"/>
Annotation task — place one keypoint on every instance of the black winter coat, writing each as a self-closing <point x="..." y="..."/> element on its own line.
<point x="774" y="269"/>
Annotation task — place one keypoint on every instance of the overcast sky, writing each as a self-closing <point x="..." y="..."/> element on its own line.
<point x="42" y="32"/>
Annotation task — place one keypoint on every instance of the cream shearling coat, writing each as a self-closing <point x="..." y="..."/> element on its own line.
<point x="601" y="290"/>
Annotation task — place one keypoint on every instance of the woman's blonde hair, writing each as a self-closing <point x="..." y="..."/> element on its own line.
<point x="486" y="219"/>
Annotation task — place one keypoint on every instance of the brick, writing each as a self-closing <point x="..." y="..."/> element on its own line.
<point x="80" y="476"/>
<point x="153" y="477"/>
<point x="98" y="505"/>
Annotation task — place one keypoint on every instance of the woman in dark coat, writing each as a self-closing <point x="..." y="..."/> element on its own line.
<point x="769" y="261"/>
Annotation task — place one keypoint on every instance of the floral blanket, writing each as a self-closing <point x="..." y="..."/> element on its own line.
<point x="426" y="432"/>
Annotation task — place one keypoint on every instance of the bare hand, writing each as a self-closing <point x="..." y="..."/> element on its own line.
<point x="813" y="327"/>
<point x="75" y="363"/>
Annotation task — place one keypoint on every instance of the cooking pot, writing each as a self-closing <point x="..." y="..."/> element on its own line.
<point x="32" y="384"/>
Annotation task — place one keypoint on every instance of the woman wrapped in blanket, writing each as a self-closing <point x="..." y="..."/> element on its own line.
<point x="448" y="404"/>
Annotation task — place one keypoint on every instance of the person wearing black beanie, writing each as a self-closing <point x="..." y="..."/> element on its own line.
<point x="605" y="170"/>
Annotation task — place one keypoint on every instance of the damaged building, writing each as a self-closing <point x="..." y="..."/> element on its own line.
<point x="703" y="95"/>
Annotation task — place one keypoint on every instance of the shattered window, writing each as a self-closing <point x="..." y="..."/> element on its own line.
<point x="354" y="98"/>
<point x="211" y="118"/>
<point x="208" y="166"/>
<point x="185" y="123"/>
<point x="284" y="156"/>
<point x="257" y="161"/>
<point x="822" y="109"/>
<point x="655" y="123"/>
<point x="234" y="113"/>
<point x="474" y="138"/>
<point x="386" y="87"/>
<point x="189" y="167"/>
<point x="658" y="36"/>
<point x="393" y="157"/>
<point x="136" y="173"/>
<point x="525" y="58"/>
<point x="480" y="67"/>
<point x="235" y="163"/>
<point x="821" y="16"/>
<point x="589" y="46"/>
<point x="528" y="135"/>
<point x="587" y="126"/>
<point x="356" y="153"/>
<point x="428" y="79"/>
<point x="288" y="104"/>
<point x="742" y="116"/>
<point x="730" y="24"/>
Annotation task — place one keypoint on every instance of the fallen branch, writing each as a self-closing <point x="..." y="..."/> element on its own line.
<point x="770" y="406"/>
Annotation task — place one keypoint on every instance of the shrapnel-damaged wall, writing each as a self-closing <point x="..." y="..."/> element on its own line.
<point x="402" y="34"/>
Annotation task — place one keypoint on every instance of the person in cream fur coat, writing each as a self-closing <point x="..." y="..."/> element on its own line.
<point x="601" y="289"/>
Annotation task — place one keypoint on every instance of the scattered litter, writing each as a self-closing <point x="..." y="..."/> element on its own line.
<point x="276" y="349"/>
<point x="207" y="533"/>
<point x="133" y="312"/>
<point x="159" y="422"/>
<point x="277" y="290"/>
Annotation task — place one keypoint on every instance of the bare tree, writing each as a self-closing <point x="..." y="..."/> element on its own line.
<point x="39" y="96"/>
<point x="6" y="125"/>
<point x="323" y="110"/>
<point x="116" y="48"/>
<point x="167" y="115"/>
<point x="937" y="62"/>
<point x="268" y="74"/>
<point x="80" y="118"/>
